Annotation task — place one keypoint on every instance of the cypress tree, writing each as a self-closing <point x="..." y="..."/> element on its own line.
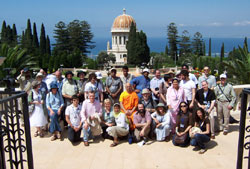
<point x="210" y="48"/>
<point x="35" y="42"/>
<point x="166" y="50"/>
<point x="222" y="53"/>
<point x="14" y="35"/>
<point x="172" y="34"/>
<point x="9" y="35"/>
<point x="42" y="41"/>
<point x="131" y="45"/>
<point x="204" y="49"/>
<point x="3" y="33"/>
<point x="48" y="50"/>
<point x="245" y="44"/>
<point x="28" y="36"/>
<point x="23" y="39"/>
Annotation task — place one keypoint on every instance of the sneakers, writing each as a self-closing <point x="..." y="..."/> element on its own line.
<point x="225" y="133"/>
<point x="53" y="138"/>
<point x="141" y="143"/>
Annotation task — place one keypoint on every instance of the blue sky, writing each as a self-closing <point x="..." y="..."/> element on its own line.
<point x="213" y="18"/>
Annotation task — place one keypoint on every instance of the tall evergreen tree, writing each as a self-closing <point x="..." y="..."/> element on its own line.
<point x="14" y="35"/>
<point x="204" y="48"/>
<point x="28" y="37"/>
<point x="42" y="41"/>
<point x="48" y="50"/>
<point x="197" y="44"/>
<point x="4" y="33"/>
<point x="210" y="48"/>
<point x="185" y="44"/>
<point x="61" y="36"/>
<point x="172" y="33"/>
<point x="35" y="42"/>
<point x="222" y="52"/>
<point x="245" y="44"/>
<point x="131" y="44"/>
<point x="166" y="50"/>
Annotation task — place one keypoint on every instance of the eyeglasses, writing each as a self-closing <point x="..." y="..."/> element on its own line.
<point x="183" y="106"/>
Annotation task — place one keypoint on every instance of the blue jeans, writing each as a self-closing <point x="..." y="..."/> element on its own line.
<point x="54" y="124"/>
<point x="86" y="134"/>
<point x="200" y="140"/>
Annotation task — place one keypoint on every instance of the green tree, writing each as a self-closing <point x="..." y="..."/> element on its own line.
<point x="103" y="59"/>
<point x="14" y="34"/>
<point x="166" y="49"/>
<point x="28" y="39"/>
<point x="61" y="36"/>
<point x="131" y="44"/>
<point x="48" y="49"/>
<point x="35" y="38"/>
<point x="197" y="44"/>
<point x="245" y="44"/>
<point x="210" y="48"/>
<point x="42" y="40"/>
<point x="222" y="52"/>
<point x="185" y="44"/>
<point x="172" y="36"/>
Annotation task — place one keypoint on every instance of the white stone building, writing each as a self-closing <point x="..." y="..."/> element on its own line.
<point x="120" y="31"/>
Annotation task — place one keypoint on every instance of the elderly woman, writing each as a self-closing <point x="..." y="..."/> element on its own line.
<point x="37" y="117"/>
<point x="54" y="103"/>
<point x="121" y="128"/>
<point x="164" y="87"/>
<point x="184" y="123"/>
<point x="199" y="140"/>
<point x="175" y="95"/>
<point x="108" y="119"/>
<point x="162" y="121"/>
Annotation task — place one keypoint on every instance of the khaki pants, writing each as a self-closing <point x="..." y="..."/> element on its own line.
<point x="138" y="130"/>
<point x="212" y="121"/>
<point x="116" y="131"/>
<point x="223" y="111"/>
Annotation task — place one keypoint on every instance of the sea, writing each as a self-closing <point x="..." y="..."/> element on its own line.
<point x="158" y="44"/>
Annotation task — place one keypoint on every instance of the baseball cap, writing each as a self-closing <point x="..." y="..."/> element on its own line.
<point x="98" y="75"/>
<point x="223" y="76"/>
<point x="145" y="70"/>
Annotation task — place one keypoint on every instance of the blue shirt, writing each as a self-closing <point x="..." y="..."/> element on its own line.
<point x="141" y="83"/>
<point x="43" y="89"/>
<point x="60" y="84"/>
<point x="54" y="101"/>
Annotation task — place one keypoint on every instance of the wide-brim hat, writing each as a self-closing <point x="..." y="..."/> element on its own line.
<point x="35" y="83"/>
<point x="170" y="72"/>
<point x="80" y="72"/>
<point x="223" y="76"/>
<point x="98" y="75"/>
<point x="67" y="73"/>
<point x="160" y="105"/>
<point x="53" y="86"/>
<point x="39" y="74"/>
<point x="145" y="91"/>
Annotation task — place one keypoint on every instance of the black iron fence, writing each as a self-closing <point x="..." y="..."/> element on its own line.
<point x="15" y="138"/>
<point x="244" y="142"/>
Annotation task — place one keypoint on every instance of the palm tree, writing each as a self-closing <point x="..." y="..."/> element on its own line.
<point x="16" y="58"/>
<point x="239" y="67"/>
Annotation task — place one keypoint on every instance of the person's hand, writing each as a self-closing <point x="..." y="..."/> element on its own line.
<point x="21" y="72"/>
<point x="128" y="112"/>
<point x="137" y="91"/>
<point x="229" y="107"/>
<point x="59" y="112"/>
<point x="158" y="125"/>
<point x="208" y="111"/>
<point x="92" y="117"/>
<point x="142" y="133"/>
<point x="77" y="128"/>
<point x="113" y="95"/>
<point x="86" y="125"/>
<point x="109" y="124"/>
<point x="180" y="134"/>
<point x="51" y="113"/>
<point x="191" y="105"/>
<point x="156" y="121"/>
<point x="203" y="107"/>
<point x="41" y="102"/>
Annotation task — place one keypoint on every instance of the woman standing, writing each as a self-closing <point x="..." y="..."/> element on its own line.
<point x="162" y="122"/>
<point x="94" y="86"/>
<point x="54" y="103"/>
<point x="164" y="87"/>
<point x="200" y="139"/>
<point x="175" y="95"/>
<point x="184" y="122"/>
<point x="37" y="117"/>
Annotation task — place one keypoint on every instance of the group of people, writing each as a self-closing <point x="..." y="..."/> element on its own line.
<point x="176" y="106"/>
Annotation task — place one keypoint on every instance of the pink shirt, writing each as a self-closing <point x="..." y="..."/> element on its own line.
<point x="175" y="97"/>
<point x="89" y="109"/>
<point x="138" y="119"/>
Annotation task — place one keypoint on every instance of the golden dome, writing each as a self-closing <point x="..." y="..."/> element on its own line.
<point x="123" y="21"/>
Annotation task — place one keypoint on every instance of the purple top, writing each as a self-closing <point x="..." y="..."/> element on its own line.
<point x="138" y="119"/>
<point x="89" y="109"/>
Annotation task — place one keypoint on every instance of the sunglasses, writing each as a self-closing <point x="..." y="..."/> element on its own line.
<point x="183" y="106"/>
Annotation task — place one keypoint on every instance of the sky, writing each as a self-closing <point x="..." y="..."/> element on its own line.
<point x="212" y="18"/>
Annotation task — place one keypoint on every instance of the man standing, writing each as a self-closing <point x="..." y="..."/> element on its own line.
<point x="129" y="102"/>
<point x="189" y="88"/>
<point x="226" y="99"/>
<point x="126" y="77"/>
<point x="25" y="80"/>
<point x="205" y="99"/>
<point x="141" y="82"/>
<point x="155" y="84"/>
<point x="142" y="121"/>
<point x="59" y="80"/>
<point x="91" y="109"/>
<point x="190" y="75"/>
<point x="114" y="86"/>
<point x="209" y="78"/>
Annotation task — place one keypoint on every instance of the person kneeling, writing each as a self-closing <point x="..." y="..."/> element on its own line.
<point x="73" y="119"/>
<point x="162" y="121"/>
<point x="142" y="121"/>
<point x="184" y="123"/>
<point x="122" y="127"/>
<point x="199" y="139"/>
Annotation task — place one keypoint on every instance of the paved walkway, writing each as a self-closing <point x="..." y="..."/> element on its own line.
<point x="221" y="154"/>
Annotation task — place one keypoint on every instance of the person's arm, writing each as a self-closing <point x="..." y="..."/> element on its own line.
<point x="211" y="106"/>
<point x="120" y="88"/>
<point x="122" y="107"/>
<point x="166" y="120"/>
<point x="207" y="129"/>
<point x="233" y="98"/>
<point x="68" y="121"/>
<point x="193" y="98"/>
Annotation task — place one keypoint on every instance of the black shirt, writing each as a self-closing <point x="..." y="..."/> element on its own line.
<point x="199" y="96"/>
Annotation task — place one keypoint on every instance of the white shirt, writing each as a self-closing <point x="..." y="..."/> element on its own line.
<point x="97" y="88"/>
<point x="188" y="86"/>
<point x="74" y="114"/>
<point x="49" y="79"/>
<point x="193" y="78"/>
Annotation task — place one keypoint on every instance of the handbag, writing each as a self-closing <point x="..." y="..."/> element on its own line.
<point x="180" y="139"/>
<point x="193" y="131"/>
<point x="31" y="108"/>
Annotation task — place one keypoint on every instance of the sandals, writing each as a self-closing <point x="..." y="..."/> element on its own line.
<point x="36" y="134"/>
<point x="53" y="138"/>
<point x="113" y="144"/>
<point x="41" y="134"/>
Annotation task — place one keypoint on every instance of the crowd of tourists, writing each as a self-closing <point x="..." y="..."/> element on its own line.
<point x="176" y="106"/>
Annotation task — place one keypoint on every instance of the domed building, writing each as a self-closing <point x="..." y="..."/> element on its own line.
<point x="120" y="31"/>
